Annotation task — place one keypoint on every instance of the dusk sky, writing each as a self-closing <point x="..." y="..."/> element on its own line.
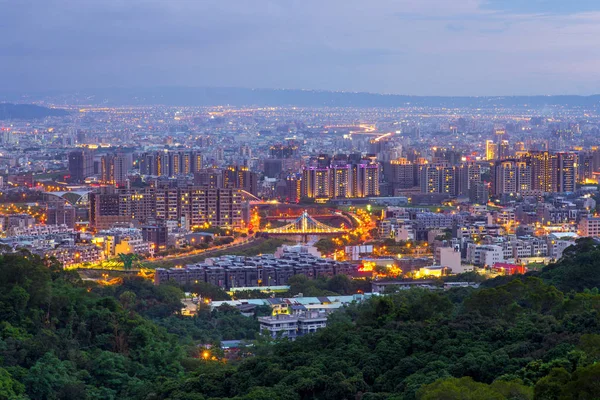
<point x="419" y="47"/>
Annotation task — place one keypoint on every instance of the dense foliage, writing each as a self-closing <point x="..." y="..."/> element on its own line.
<point x="516" y="338"/>
<point x="61" y="338"/>
<point x="337" y="285"/>
<point x="528" y="337"/>
<point x="59" y="341"/>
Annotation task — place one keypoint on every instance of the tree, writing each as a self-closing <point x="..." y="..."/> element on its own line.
<point x="513" y="390"/>
<point x="10" y="389"/>
<point x="208" y="291"/>
<point x="340" y="284"/>
<point x="326" y="246"/>
<point x="128" y="300"/>
<point x="550" y="386"/>
<point x="109" y="370"/>
<point x="584" y="384"/>
<point x="63" y="338"/>
<point x="49" y="376"/>
<point x="578" y="269"/>
<point x="467" y="389"/>
<point x="590" y="344"/>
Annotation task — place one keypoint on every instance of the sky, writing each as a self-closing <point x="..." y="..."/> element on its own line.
<point x="413" y="47"/>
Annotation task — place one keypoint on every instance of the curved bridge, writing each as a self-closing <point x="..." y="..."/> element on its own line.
<point x="305" y="225"/>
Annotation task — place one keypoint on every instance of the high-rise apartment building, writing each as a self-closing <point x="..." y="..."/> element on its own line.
<point x="524" y="177"/>
<point x="293" y="187"/>
<point x="341" y="181"/>
<point x="400" y="173"/>
<point x="440" y="179"/>
<point x="272" y="167"/>
<point x="479" y="193"/>
<point x="504" y="151"/>
<point x="316" y="182"/>
<point x="448" y="180"/>
<point x="430" y="179"/>
<point x="194" y="205"/>
<point x="491" y="150"/>
<point x="542" y="177"/>
<point x="541" y="172"/>
<point x="114" y="168"/>
<point x="468" y="174"/>
<point x="60" y="212"/>
<point x="283" y="151"/>
<point x="81" y="165"/>
<point x="565" y="165"/>
<point x="553" y="172"/>
<point x="105" y="208"/>
<point x="170" y="163"/>
<point x="505" y="177"/>
<point x="585" y="166"/>
<point x="240" y="177"/>
<point x="366" y="179"/>
<point x="210" y="177"/>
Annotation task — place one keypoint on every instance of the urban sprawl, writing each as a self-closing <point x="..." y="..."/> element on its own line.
<point x="247" y="198"/>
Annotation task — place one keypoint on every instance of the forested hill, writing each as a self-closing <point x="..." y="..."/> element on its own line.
<point x="28" y="111"/>
<point x="529" y="337"/>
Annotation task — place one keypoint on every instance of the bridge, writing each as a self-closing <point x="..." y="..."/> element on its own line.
<point x="319" y="217"/>
<point x="305" y="225"/>
<point x="247" y="196"/>
<point x="255" y="201"/>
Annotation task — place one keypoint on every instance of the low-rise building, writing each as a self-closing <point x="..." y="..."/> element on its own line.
<point x="448" y="257"/>
<point x="381" y="286"/>
<point x="122" y="241"/>
<point x="484" y="255"/>
<point x="293" y="325"/>
<point x="557" y="247"/>
<point x="38" y="230"/>
<point x="73" y="254"/>
<point x="589" y="226"/>
<point x="264" y="270"/>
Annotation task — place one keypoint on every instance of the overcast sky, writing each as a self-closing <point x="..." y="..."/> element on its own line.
<point x="422" y="47"/>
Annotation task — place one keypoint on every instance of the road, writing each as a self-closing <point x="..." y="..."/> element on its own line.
<point x="235" y="243"/>
<point x="240" y="242"/>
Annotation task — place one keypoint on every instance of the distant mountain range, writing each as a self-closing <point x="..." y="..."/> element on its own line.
<point x="28" y="111"/>
<point x="212" y="96"/>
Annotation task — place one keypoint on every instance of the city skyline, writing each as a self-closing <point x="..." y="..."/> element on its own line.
<point x="402" y="47"/>
<point x="299" y="199"/>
